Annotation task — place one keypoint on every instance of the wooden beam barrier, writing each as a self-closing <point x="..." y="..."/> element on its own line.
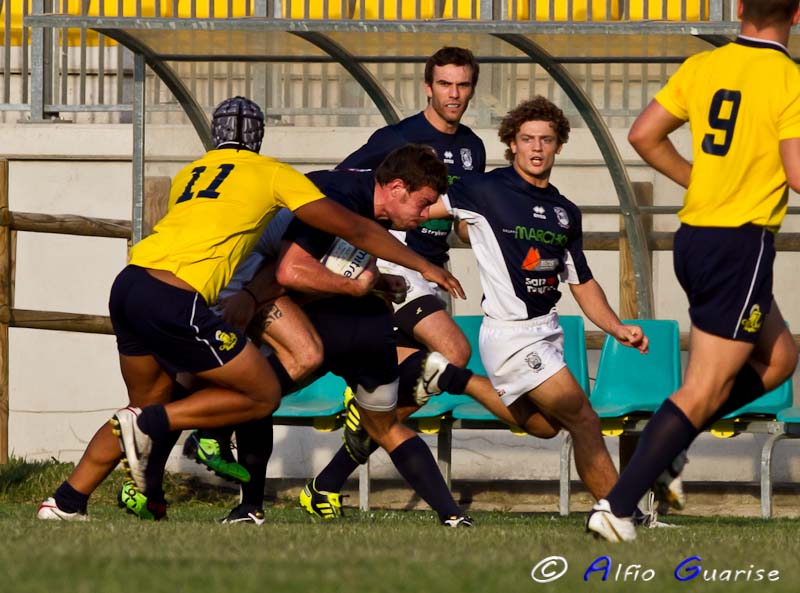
<point x="5" y="308"/>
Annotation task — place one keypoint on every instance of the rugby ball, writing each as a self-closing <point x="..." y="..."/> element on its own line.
<point x="345" y="259"/>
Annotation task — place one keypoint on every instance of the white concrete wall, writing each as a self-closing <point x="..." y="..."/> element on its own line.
<point x="63" y="385"/>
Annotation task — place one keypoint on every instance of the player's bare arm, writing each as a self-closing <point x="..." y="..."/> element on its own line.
<point x="301" y="271"/>
<point x="649" y="136"/>
<point x="337" y="220"/>
<point x="592" y="301"/>
<point x="790" y="157"/>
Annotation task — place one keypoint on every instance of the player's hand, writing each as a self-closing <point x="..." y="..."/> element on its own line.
<point x="238" y="309"/>
<point x="446" y="280"/>
<point x="367" y="280"/>
<point x="633" y="337"/>
<point x="392" y="287"/>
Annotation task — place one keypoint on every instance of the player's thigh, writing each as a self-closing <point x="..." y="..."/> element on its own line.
<point x="775" y="352"/>
<point x="530" y="418"/>
<point x="713" y="364"/>
<point x="561" y="397"/>
<point x="148" y="383"/>
<point x="285" y="328"/>
<point x="440" y="333"/>
<point x="247" y="373"/>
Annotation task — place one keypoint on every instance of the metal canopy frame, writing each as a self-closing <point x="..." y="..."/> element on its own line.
<point x="156" y="41"/>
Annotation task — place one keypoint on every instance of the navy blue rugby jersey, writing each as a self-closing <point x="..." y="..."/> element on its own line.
<point x="355" y="190"/>
<point x="525" y="239"/>
<point x="462" y="152"/>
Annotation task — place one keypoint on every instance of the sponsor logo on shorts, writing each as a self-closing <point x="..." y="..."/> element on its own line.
<point x="534" y="362"/>
<point x="752" y="323"/>
<point x="227" y="340"/>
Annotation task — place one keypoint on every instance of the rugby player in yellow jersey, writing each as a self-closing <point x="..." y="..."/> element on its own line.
<point x="742" y="101"/>
<point x="159" y="304"/>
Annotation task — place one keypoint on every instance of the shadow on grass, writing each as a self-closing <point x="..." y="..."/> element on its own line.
<point x="23" y="481"/>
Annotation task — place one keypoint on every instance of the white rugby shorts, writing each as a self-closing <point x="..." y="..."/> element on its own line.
<point x="521" y="355"/>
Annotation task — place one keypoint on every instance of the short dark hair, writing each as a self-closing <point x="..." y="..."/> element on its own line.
<point x="536" y="109"/>
<point x="416" y="165"/>
<point x="768" y="12"/>
<point x="458" y="56"/>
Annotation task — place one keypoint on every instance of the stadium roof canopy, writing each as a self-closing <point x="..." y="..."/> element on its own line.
<point x="353" y="43"/>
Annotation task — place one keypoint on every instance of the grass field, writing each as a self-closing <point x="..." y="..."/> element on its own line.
<point x="380" y="551"/>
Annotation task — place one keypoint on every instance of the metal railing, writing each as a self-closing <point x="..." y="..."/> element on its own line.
<point x="83" y="76"/>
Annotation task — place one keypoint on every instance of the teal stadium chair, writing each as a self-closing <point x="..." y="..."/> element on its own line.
<point x="629" y="387"/>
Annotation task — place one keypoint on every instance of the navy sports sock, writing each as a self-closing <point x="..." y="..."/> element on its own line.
<point x="414" y="461"/>
<point x="70" y="500"/>
<point x="667" y="433"/>
<point x="335" y="474"/>
<point x="153" y="421"/>
<point x="454" y="379"/>
<point x="254" y="445"/>
<point x="747" y="387"/>
<point x="154" y="472"/>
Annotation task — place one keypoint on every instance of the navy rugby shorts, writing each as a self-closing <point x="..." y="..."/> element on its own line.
<point x="358" y="338"/>
<point x="727" y="276"/>
<point x="174" y="325"/>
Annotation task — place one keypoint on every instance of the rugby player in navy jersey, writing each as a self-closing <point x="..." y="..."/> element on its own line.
<point x="527" y="238"/>
<point x="451" y="75"/>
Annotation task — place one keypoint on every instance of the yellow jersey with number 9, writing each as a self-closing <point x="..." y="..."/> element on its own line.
<point x="741" y="100"/>
<point x="218" y="207"/>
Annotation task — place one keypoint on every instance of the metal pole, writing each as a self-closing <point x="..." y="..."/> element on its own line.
<point x="41" y="64"/>
<point x="138" y="146"/>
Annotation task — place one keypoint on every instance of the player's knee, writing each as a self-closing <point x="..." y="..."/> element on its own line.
<point x="580" y="416"/>
<point x="265" y="400"/>
<point x="458" y="352"/>
<point x="539" y="427"/>
<point x="785" y="359"/>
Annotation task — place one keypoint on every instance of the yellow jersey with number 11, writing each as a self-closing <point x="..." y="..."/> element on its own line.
<point x="741" y="100"/>
<point x="218" y="207"/>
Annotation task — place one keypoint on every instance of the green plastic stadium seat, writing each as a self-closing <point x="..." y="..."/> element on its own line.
<point x="629" y="382"/>
<point x="319" y="404"/>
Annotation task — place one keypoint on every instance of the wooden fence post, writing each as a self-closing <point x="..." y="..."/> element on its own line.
<point x="628" y="306"/>
<point x="5" y="307"/>
<point x="156" y="198"/>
